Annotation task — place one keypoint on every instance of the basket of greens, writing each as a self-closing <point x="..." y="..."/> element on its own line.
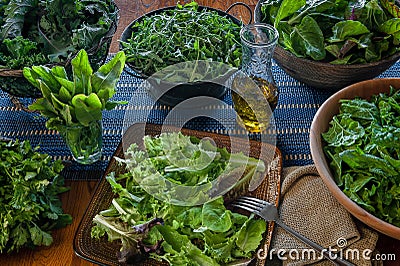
<point x="332" y="44"/>
<point x="51" y="33"/>
<point x="184" y="33"/>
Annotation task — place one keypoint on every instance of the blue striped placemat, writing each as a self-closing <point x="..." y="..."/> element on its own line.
<point x="296" y="108"/>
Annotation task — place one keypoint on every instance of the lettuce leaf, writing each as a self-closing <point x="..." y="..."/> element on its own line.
<point x="202" y="234"/>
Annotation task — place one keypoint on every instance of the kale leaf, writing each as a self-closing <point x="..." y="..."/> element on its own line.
<point x="57" y="28"/>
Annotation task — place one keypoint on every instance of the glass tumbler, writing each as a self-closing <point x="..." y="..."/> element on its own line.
<point x="84" y="142"/>
<point x="254" y="92"/>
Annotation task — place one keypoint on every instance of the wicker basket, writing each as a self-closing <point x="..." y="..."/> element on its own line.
<point x="325" y="75"/>
<point x="13" y="82"/>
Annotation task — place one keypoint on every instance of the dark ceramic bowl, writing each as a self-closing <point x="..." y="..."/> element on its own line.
<point x="180" y="91"/>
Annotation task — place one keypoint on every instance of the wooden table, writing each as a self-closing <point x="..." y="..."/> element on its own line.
<point x="76" y="200"/>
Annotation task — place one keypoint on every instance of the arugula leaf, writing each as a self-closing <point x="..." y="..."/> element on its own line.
<point x="195" y="35"/>
<point x="339" y="136"/>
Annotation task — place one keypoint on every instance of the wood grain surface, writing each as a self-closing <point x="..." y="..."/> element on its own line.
<point x="76" y="200"/>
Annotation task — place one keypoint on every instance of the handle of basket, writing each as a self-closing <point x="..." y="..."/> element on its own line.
<point x="242" y="4"/>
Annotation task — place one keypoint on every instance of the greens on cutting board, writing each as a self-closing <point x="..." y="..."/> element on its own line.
<point x="336" y="31"/>
<point x="363" y="145"/>
<point x="206" y="234"/>
<point x="29" y="203"/>
<point x="185" y="33"/>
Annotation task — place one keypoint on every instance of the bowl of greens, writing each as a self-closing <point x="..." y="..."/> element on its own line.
<point x="333" y="44"/>
<point x="354" y="143"/>
<point x="183" y="34"/>
<point x="51" y="33"/>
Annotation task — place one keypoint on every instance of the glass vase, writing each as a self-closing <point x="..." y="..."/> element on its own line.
<point x="84" y="142"/>
<point x="254" y="91"/>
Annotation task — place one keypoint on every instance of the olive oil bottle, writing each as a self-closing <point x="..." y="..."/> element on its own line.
<point x="254" y="108"/>
<point x="254" y="92"/>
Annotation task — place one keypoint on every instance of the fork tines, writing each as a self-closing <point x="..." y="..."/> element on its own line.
<point x="250" y="204"/>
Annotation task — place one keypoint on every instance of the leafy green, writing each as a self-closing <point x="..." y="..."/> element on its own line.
<point x="182" y="170"/>
<point x="79" y="101"/>
<point x="56" y="28"/>
<point x="350" y="31"/>
<point x="3" y="6"/>
<point x="183" y="34"/>
<point x="363" y="144"/>
<point x="206" y="234"/>
<point x="74" y="105"/>
<point x="29" y="203"/>
<point x="21" y="52"/>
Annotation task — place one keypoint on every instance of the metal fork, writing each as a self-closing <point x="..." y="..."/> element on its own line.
<point x="269" y="212"/>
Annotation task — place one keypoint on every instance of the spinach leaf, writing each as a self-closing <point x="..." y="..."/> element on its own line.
<point x="286" y="9"/>
<point x="352" y="32"/>
<point x="307" y="39"/>
<point x="344" y="29"/>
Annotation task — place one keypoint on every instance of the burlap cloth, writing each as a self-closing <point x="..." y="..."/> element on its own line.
<point x="307" y="206"/>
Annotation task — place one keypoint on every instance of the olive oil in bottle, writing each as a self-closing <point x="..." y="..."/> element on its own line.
<point x="254" y="109"/>
<point x="254" y="93"/>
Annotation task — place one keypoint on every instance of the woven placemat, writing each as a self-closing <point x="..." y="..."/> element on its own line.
<point x="293" y="116"/>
